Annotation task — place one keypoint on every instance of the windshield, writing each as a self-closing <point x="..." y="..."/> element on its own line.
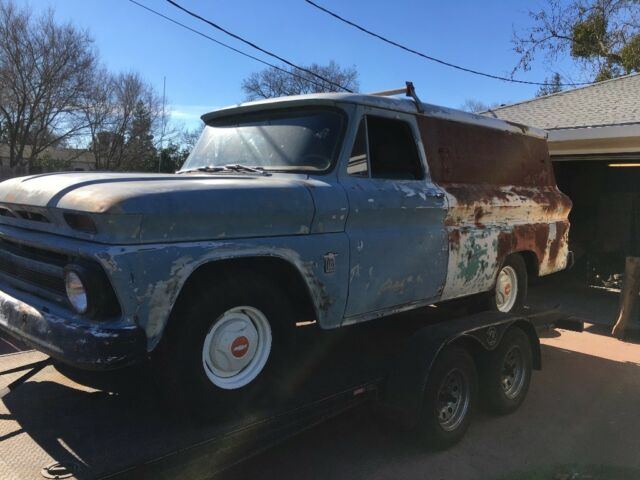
<point x="286" y="140"/>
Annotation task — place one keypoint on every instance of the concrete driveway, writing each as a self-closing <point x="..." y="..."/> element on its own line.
<point x="581" y="420"/>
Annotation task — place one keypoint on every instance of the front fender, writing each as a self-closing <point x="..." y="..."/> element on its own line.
<point x="159" y="272"/>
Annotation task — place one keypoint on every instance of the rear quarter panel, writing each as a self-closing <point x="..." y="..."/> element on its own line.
<point x="502" y="199"/>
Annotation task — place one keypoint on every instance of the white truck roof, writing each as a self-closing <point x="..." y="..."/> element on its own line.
<point x="404" y="105"/>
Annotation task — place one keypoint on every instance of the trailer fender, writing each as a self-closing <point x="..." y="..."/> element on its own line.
<point x="403" y="389"/>
<point x="490" y="337"/>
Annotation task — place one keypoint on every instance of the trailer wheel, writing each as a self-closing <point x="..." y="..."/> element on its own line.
<point x="226" y="348"/>
<point x="506" y="373"/>
<point x="449" y="399"/>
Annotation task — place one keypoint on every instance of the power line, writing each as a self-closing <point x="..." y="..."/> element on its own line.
<point x="224" y="44"/>
<point x="433" y="59"/>
<point x="253" y="45"/>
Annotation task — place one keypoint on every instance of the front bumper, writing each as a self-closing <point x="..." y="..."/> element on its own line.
<point x="70" y="339"/>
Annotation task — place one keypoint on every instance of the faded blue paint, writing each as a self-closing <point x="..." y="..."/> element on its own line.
<point x="395" y="229"/>
<point x="388" y="237"/>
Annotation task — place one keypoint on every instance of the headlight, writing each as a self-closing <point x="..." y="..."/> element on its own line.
<point x="76" y="291"/>
<point x="89" y="292"/>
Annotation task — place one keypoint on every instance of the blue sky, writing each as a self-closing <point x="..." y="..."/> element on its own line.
<point x="202" y="76"/>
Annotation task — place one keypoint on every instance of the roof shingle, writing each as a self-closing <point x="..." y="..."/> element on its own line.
<point x="612" y="102"/>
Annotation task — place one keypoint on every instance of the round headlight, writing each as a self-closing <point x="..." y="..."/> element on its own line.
<point x="76" y="291"/>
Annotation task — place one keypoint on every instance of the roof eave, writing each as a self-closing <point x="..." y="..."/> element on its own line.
<point x="595" y="140"/>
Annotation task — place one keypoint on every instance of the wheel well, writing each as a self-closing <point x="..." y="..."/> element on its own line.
<point x="530" y="261"/>
<point x="276" y="270"/>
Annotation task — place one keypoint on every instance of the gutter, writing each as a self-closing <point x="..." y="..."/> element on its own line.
<point x="595" y="140"/>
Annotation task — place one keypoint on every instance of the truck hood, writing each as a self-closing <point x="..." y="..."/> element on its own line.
<point x="129" y="208"/>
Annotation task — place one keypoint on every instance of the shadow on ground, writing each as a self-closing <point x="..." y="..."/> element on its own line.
<point x="581" y="411"/>
<point x="571" y="294"/>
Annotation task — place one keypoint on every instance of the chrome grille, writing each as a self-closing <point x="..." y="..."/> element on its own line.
<point x="33" y="269"/>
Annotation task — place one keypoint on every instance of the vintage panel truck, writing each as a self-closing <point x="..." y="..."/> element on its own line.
<point x="322" y="210"/>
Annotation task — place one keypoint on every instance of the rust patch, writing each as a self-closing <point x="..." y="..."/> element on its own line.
<point x="478" y="212"/>
<point x="473" y="154"/>
<point x="454" y="239"/>
<point x="524" y="238"/>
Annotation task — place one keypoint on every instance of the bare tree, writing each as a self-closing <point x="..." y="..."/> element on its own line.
<point x="474" y="106"/>
<point x="188" y="138"/>
<point x="46" y="72"/>
<point x="602" y="36"/>
<point x="123" y="120"/>
<point x="477" y="106"/>
<point x="272" y="82"/>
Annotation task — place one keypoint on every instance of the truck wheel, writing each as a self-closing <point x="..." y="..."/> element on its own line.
<point x="449" y="399"/>
<point x="506" y="373"/>
<point x="510" y="290"/>
<point x="226" y="345"/>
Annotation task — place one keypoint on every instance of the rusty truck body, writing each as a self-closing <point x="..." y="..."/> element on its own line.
<point x="327" y="208"/>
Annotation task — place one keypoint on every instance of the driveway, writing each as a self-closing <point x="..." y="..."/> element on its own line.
<point x="580" y="421"/>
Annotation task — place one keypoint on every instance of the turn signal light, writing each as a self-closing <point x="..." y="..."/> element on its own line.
<point x="80" y="222"/>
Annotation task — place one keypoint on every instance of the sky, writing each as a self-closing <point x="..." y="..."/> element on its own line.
<point x="202" y="76"/>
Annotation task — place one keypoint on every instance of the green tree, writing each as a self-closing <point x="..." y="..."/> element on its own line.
<point x="139" y="149"/>
<point x="46" y="163"/>
<point x="554" y="85"/>
<point x="172" y="157"/>
<point x="601" y="36"/>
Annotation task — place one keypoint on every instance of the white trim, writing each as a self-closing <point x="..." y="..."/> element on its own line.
<point x="402" y="105"/>
<point x="603" y="140"/>
<point x="593" y="133"/>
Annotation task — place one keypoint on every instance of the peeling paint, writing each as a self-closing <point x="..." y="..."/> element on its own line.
<point x="488" y="192"/>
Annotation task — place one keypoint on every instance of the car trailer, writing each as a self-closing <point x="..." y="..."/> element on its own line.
<point x="56" y="422"/>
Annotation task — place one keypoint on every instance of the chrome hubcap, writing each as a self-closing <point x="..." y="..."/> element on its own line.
<point x="236" y="347"/>
<point x="453" y="400"/>
<point x="512" y="378"/>
<point x="506" y="289"/>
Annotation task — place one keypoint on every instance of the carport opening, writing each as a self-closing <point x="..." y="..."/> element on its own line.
<point x="605" y="218"/>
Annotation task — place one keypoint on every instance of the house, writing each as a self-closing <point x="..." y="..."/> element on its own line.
<point x="594" y="142"/>
<point x="51" y="159"/>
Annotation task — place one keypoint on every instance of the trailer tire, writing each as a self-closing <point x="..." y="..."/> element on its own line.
<point x="449" y="399"/>
<point x="243" y="313"/>
<point x="506" y="373"/>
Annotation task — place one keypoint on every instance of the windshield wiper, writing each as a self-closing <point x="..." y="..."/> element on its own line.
<point x="206" y="168"/>
<point x="237" y="167"/>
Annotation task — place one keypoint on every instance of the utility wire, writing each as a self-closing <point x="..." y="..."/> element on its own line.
<point x="437" y="60"/>
<point x="253" y="45"/>
<point x="224" y="44"/>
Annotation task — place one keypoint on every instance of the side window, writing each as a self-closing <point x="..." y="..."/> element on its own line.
<point x="392" y="150"/>
<point x="358" y="164"/>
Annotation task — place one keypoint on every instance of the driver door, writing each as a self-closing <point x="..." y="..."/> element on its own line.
<point x="397" y="240"/>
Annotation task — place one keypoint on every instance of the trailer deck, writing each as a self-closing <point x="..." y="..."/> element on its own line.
<point x="124" y="433"/>
<point x="112" y="425"/>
